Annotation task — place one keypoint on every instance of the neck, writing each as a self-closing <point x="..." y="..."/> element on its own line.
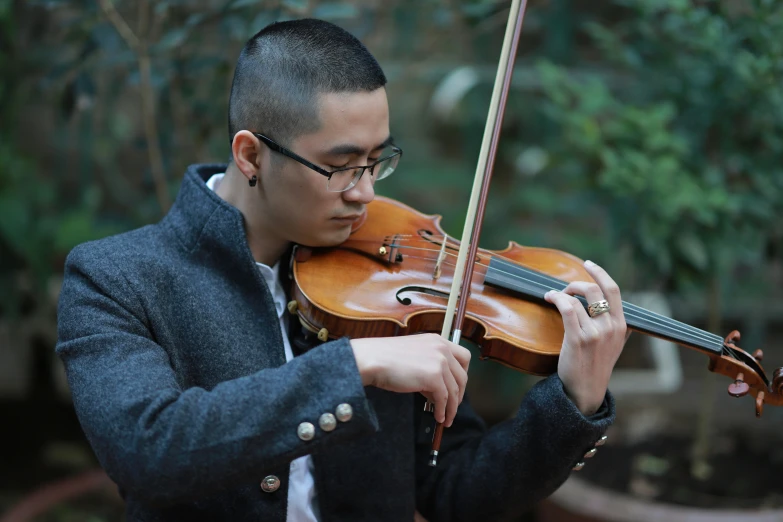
<point x="266" y="246"/>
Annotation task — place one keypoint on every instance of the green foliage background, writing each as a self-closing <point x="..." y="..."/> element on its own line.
<point x="642" y="134"/>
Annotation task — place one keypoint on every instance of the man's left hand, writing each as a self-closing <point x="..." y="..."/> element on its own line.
<point x="591" y="345"/>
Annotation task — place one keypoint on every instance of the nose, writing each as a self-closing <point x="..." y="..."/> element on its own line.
<point x="364" y="190"/>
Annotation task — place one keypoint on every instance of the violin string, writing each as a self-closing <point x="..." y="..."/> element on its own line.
<point x="630" y="309"/>
<point x="626" y="306"/>
<point x="650" y="315"/>
<point x="678" y="331"/>
<point x="635" y="311"/>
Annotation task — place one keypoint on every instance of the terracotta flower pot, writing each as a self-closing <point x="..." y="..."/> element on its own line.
<point x="51" y="495"/>
<point x="580" y="501"/>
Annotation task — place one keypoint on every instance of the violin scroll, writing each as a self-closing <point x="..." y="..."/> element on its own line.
<point x="748" y="374"/>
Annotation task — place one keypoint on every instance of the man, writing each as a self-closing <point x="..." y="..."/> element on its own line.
<point x="175" y="337"/>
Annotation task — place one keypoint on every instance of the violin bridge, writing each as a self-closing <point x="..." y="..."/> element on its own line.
<point x="441" y="256"/>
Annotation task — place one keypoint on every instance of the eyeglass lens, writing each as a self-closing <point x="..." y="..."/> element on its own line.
<point x="343" y="180"/>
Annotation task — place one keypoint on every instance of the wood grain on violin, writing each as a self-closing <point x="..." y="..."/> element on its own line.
<point x="393" y="277"/>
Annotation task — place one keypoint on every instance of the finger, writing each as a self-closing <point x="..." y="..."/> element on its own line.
<point x="458" y="372"/>
<point x="565" y="305"/>
<point x="609" y="288"/>
<point x="591" y="291"/>
<point x="440" y="396"/>
<point x="453" y="399"/>
<point x="458" y="359"/>
<point x="460" y="375"/>
<point x="587" y="333"/>
<point x="461" y="354"/>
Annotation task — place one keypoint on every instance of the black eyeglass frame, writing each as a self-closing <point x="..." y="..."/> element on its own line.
<point x="269" y="142"/>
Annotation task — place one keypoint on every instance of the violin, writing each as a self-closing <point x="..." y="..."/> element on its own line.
<point x="399" y="274"/>
<point x="393" y="277"/>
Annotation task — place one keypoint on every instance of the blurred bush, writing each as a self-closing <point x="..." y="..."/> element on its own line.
<point x="645" y="135"/>
<point x="685" y="153"/>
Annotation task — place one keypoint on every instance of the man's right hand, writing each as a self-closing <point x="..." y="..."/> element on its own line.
<point x="426" y="363"/>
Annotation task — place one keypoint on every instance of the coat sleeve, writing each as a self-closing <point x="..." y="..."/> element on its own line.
<point x="500" y="473"/>
<point x="167" y="444"/>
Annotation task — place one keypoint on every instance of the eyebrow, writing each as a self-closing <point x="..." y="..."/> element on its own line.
<point x="350" y="149"/>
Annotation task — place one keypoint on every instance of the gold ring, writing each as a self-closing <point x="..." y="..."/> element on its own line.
<point x="598" y="308"/>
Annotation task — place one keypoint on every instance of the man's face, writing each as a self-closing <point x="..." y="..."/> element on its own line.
<point x="298" y="205"/>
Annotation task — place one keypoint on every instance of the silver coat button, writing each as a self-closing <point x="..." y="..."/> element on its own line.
<point x="270" y="484"/>
<point x="601" y="441"/>
<point x="306" y="431"/>
<point x="591" y="453"/>
<point x="327" y="422"/>
<point x="344" y="412"/>
<point x="579" y="466"/>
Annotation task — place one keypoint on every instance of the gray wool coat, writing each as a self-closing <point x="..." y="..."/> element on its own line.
<point x="175" y="360"/>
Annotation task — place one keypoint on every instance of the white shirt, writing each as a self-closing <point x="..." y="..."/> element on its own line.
<point x="302" y="505"/>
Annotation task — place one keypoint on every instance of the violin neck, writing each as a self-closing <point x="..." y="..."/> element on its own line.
<point x="534" y="285"/>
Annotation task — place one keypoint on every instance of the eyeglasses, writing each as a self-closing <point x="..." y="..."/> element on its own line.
<point x="342" y="179"/>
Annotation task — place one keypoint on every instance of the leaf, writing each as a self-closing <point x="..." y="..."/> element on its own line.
<point x="694" y="250"/>
<point x="173" y="38"/>
<point x="298" y="6"/>
<point x="194" y="19"/>
<point x="478" y="9"/>
<point x="336" y="11"/>
<point x="239" y="4"/>
<point x="14" y="222"/>
<point x="79" y="226"/>
<point x="261" y="20"/>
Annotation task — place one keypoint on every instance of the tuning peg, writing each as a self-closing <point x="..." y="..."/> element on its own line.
<point x="758" y="355"/>
<point x="739" y="388"/>
<point x="733" y="337"/>
<point x="759" y="404"/>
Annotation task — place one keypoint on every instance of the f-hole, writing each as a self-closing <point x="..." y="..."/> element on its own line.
<point x="420" y="289"/>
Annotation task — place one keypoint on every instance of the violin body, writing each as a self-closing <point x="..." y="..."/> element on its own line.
<point x="382" y="282"/>
<point x="394" y="274"/>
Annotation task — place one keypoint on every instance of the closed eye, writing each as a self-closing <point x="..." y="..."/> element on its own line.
<point x="370" y="161"/>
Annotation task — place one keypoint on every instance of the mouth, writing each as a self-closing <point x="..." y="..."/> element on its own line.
<point x="347" y="219"/>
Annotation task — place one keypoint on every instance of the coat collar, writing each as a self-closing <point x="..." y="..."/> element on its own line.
<point x="199" y="218"/>
<point x="204" y="223"/>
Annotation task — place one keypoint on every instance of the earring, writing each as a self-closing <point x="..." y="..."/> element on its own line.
<point x="252" y="182"/>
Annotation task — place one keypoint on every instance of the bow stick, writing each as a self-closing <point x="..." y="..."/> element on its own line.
<point x="463" y="272"/>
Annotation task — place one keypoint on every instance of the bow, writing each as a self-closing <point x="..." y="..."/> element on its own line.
<point x="463" y="273"/>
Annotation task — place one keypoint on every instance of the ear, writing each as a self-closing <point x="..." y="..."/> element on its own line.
<point x="248" y="153"/>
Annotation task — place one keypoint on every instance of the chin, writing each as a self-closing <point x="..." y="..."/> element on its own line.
<point x="327" y="239"/>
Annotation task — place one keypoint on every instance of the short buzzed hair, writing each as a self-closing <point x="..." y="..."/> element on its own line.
<point x="284" y="67"/>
